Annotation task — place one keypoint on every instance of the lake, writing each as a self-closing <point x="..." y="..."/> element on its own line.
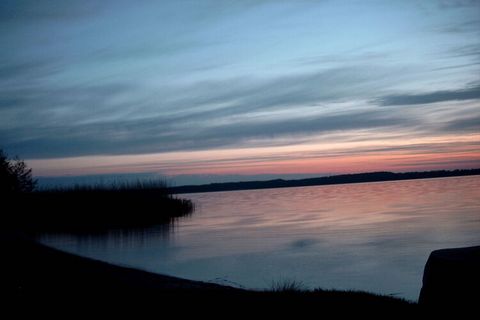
<point x="369" y="236"/>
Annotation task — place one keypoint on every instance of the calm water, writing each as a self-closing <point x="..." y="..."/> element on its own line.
<point x="371" y="236"/>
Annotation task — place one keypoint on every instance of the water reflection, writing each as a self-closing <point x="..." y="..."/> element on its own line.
<point x="117" y="238"/>
<point x="372" y="236"/>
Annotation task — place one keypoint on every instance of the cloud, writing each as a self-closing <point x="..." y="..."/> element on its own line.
<point x="123" y="118"/>
<point x="48" y="10"/>
<point x="432" y="97"/>
<point x="308" y="125"/>
<point x="471" y="51"/>
<point x="113" y="118"/>
<point x="216" y="99"/>
<point x="157" y="135"/>
<point x="462" y="27"/>
<point x="464" y="124"/>
<point x="181" y="75"/>
<point x="455" y="4"/>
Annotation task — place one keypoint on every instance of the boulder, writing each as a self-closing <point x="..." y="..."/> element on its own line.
<point x="451" y="278"/>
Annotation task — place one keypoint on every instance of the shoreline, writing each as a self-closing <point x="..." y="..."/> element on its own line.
<point x="357" y="178"/>
<point x="34" y="272"/>
<point x="20" y="248"/>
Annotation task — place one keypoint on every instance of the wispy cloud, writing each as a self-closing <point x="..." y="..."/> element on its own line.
<point x="212" y="114"/>
<point x="467" y="123"/>
<point x="455" y="4"/>
<point x="431" y="97"/>
<point x="50" y="10"/>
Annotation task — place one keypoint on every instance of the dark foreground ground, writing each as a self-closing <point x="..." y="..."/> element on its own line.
<point x="34" y="276"/>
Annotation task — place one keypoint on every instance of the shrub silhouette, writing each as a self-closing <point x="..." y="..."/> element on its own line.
<point x="15" y="176"/>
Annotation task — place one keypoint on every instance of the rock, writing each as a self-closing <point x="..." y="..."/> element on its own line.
<point x="451" y="278"/>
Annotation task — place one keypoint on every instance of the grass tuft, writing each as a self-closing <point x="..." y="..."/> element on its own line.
<point x="289" y="286"/>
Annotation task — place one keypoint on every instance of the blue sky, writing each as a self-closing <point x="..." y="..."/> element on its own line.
<point x="184" y="86"/>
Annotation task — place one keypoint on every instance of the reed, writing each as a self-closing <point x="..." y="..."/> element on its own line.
<point x="92" y="208"/>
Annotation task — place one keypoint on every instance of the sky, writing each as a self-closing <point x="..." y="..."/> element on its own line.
<point x="202" y="91"/>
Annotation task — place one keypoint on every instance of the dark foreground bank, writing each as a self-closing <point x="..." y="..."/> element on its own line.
<point x="31" y="272"/>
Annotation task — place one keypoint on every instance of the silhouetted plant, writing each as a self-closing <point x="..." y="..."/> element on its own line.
<point x="15" y="176"/>
<point x="89" y="208"/>
<point x="288" y="285"/>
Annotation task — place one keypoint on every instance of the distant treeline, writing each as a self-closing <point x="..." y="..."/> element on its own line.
<point x="338" y="179"/>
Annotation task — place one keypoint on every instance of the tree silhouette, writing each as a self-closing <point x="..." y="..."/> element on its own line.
<point x="15" y="176"/>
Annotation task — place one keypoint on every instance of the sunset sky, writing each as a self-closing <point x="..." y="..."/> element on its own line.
<point x="205" y="91"/>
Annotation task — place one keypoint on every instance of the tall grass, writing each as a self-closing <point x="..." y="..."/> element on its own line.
<point x="97" y="207"/>
<point x="158" y="186"/>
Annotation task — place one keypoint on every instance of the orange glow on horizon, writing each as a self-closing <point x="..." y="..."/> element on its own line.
<point x="395" y="154"/>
